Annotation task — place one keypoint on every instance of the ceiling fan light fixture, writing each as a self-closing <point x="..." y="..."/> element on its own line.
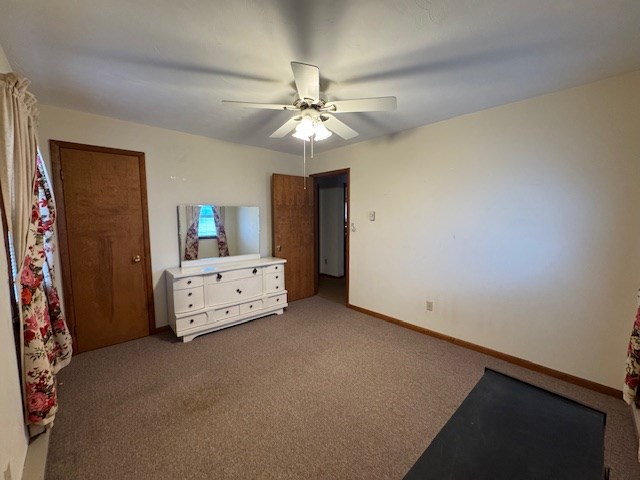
<point x="300" y="136"/>
<point x="309" y="128"/>
<point x="321" y="132"/>
<point x="305" y="128"/>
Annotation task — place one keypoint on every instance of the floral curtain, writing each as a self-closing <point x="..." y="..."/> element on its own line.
<point x="30" y="212"/>
<point x="632" y="377"/>
<point x="46" y="339"/>
<point x="223" y="248"/>
<point x="191" y="241"/>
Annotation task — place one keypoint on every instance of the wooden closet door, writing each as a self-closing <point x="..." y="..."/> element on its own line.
<point x="293" y="210"/>
<point x="103" y="227"/>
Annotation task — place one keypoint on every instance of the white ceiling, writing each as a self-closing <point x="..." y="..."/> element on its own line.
<point x="170" y="63"/>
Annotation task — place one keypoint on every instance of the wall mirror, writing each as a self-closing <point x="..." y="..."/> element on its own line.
<point x="213" y="233"/>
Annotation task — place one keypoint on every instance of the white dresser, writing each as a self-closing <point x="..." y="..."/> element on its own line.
<point x="208" y="298"/>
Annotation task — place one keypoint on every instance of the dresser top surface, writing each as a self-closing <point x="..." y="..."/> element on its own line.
<point x="181" y="272"/>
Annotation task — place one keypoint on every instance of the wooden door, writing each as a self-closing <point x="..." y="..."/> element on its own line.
<point x="104" y="243"/>
<point x="293" y="210"/>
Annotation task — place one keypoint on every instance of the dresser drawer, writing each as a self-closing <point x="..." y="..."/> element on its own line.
<point x="274" y="268"/>
<point x="188" y="300"/>
<point x="191" y="321"/>
<point x="235" y="291"/>
<point x="251" y="306"/>
<point x="233" y="275"/>
<point x="219" y="315"/>
<point x="276" y="300"/>
<point x="274" y="282"/>
<point x="187" y="282"/>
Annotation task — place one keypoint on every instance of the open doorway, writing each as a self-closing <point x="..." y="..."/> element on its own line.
<point x="332" y="235"/>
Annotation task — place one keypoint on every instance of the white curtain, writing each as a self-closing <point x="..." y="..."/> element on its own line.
<point x="18" y="154"/>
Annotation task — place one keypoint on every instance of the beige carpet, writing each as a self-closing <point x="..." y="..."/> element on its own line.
<point x="319" y="392"/>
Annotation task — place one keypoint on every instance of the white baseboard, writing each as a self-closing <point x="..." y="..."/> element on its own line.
<point x="36" y="461"/>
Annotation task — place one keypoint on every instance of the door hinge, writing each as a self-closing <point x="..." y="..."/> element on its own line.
<point x="61" y="175"/>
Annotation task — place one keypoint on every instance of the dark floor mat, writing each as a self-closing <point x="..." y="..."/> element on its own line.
<point x="508" y="429"/>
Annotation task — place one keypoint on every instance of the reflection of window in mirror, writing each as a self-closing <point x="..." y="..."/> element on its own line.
<point x="207" y="224"/>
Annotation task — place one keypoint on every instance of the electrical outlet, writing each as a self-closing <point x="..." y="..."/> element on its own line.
<point x="429" y="306"/>
<point x="7" y="472"/>
<point x="372" y="216"/>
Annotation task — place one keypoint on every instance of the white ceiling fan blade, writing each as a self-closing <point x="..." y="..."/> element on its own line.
<point x="267" y="106"/>
<point x="339" y="128"/>
<point x="379" y="104"/>
<point x="307" y="79"/>
<point x="285" y="129"/>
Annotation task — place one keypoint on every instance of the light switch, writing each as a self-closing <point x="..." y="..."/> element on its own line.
<point x="353" y="227"/>
<point x="372" y="216"/>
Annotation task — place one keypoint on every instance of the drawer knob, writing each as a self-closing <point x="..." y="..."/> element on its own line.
<point x="219" y="277"/>
<point x="277" y="299"/>
<point x="227" y="312"/>
<point x="277" y="276"/>
<point x="189" y="282"/>
<point x="255" y="270"/>
<point x="250" y="306"/>
<point x="191" y="321"/>
<point x="190" y="305"/>
<point x="277" y="287"/>
<point x="190" y="293"/>
<point x="238" y="290"/>
<point x="276" y="267"/>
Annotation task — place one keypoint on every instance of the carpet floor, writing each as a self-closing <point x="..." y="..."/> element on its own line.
<point x="319" y="392"/>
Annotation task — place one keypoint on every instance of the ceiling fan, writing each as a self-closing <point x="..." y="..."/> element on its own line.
<point x="314" y="119"/>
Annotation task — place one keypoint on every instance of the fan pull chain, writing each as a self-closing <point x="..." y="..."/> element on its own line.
<point x="304" y="163"/>
<point x="312" y="137"/>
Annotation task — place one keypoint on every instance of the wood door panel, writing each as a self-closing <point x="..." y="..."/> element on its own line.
<point x="105" y="221"/>
<point x="101" y="309"/>
<point x="293" y="233"/>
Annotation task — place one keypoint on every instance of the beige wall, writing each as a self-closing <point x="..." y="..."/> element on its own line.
<point x="520" y="222"/>
<point x="13" y="436"/>
<point x="181" y="168"/>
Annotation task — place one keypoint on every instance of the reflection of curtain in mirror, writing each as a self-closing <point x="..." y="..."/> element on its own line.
<point x="218" y="214"/>
<point x="191" y="240"/>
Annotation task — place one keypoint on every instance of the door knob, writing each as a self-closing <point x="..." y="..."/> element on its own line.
<point x="136" y="259"/>
<point x="279" y="248"/>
